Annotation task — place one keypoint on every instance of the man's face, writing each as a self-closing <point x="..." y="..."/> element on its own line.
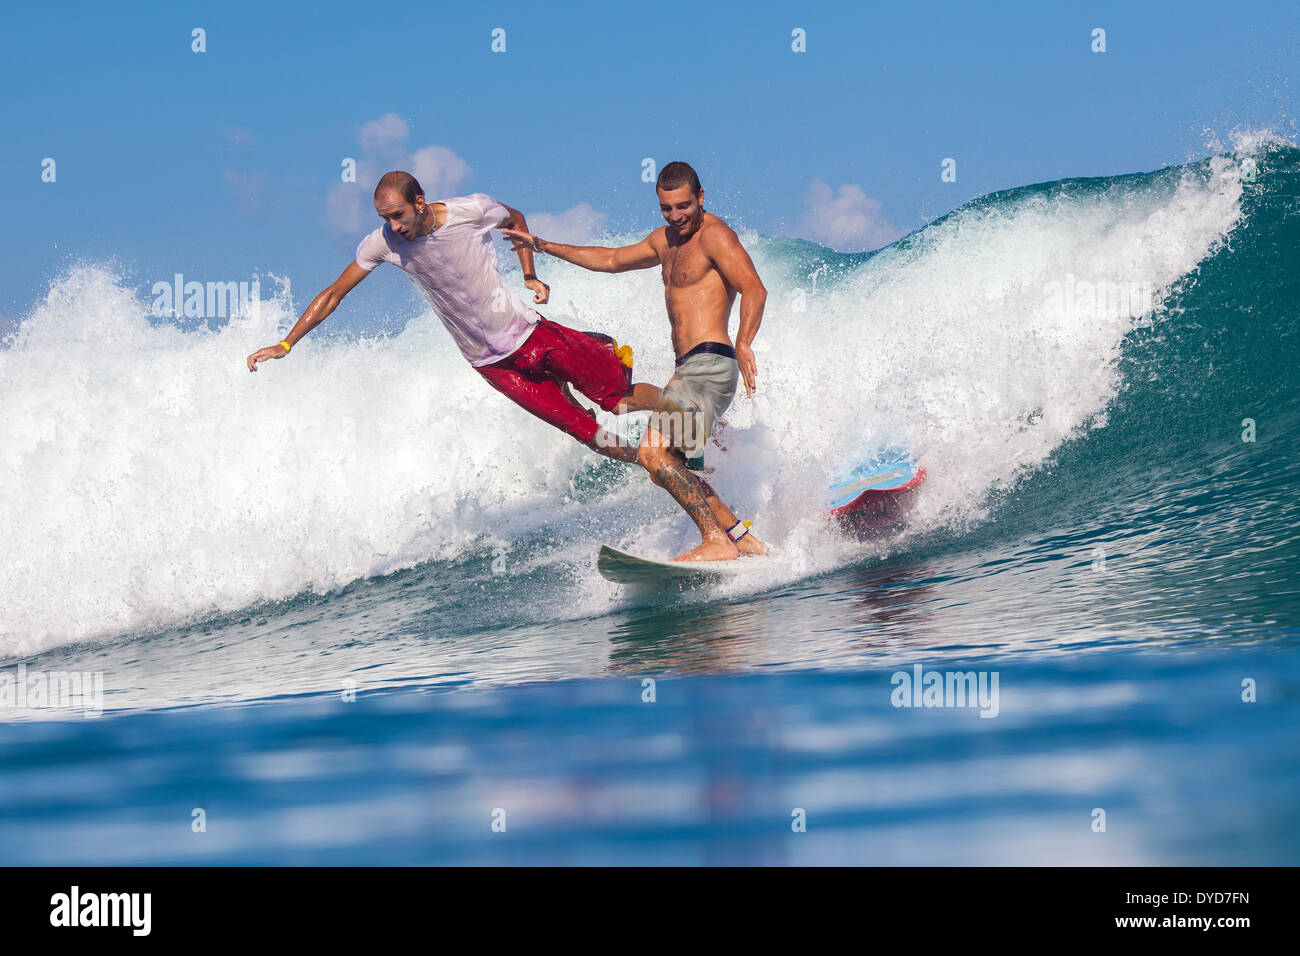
<point x="682" y="209"/>
<point x="400" y="215"/>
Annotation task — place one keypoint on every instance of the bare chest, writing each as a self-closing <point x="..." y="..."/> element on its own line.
<point x="685" y="265"/>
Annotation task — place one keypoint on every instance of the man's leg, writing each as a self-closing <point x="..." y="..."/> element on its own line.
<point x="590" y="365"/>
<point x="611" y="446"/>
<point x="668" y="470"/>
<point x="603" y="442"/>
<point x="749" y="543"/>
<point x="685" y="423"/>
<point x="641" y="397"/>
<point x="543" y="396"/>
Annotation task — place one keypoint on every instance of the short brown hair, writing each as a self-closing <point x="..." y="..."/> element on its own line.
<point x="676" y="175"/>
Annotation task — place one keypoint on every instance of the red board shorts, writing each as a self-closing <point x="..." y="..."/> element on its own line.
<point x="527" y="376"/>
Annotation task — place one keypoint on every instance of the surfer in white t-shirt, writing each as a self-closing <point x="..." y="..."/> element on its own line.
<point x="446" y="248"/>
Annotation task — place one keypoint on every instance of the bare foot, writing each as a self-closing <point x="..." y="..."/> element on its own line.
<point x="715" y="550"/>
<point x="751" y="545"/>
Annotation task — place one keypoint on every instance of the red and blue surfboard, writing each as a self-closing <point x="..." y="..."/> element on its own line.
<point x="875" y="497"/>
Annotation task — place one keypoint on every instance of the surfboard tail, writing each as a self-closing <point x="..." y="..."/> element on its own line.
<point x="879" y="511"/>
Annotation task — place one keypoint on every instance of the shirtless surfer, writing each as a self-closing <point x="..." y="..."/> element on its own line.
<point x="446" y="249"/>
<point x="704" y="266"/>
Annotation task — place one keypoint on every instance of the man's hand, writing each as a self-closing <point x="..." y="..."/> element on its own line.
<point x="541" y="291"/>
<point x="748" y="367"/>
<point x="523" y="240"/>
<point x="261" y="355"/>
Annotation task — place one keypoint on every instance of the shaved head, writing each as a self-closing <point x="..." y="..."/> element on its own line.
<point x="399" y="200"/>
<point x="400" y="182"/>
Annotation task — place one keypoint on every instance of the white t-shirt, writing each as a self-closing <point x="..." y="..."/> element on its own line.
<point x="455" y="266"/>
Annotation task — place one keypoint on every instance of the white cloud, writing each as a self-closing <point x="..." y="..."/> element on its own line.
<point x="349" y="207"/>
<point x="438" y="169"/>
<point x="849" y="221"/>
<point x="579" y="225"/>
<point x="381" y="134"/>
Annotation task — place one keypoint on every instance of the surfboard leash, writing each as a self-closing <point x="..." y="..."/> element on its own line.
<point x="737" y="537"/>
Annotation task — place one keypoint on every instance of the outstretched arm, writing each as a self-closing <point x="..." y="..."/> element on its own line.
<point x="316" y="313"/>
<point x="641" y="255"/>
<point x="732" y="261"/>
<point x="541" y="291"/>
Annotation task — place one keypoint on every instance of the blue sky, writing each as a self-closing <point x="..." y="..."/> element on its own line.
<point x="227" y="162"/>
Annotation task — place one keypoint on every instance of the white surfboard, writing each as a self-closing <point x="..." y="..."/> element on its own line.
<point x="869" y="501"/>
<point x="622" y="567"/>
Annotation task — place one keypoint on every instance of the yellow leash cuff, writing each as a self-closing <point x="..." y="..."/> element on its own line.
<point x="286" y="347"/>
<point x="622" y="352"/>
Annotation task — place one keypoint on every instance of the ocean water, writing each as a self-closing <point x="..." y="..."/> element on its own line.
<point x="346" y="610"/>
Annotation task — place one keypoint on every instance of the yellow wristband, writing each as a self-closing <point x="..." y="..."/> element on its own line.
<point x="286" y="347"/>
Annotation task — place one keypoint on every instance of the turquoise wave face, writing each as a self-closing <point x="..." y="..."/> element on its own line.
<point x="1189" y="486"/>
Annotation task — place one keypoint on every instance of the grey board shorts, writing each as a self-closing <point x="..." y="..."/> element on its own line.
<point x="696" y="396"/>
